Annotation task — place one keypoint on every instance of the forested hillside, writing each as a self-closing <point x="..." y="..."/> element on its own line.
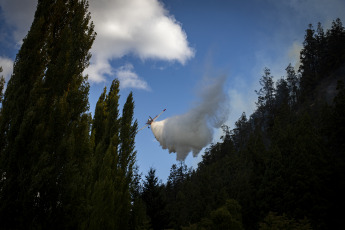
<point x="282" y="167"/>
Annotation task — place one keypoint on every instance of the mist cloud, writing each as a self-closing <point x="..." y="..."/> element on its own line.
<point x="193" y="130"/>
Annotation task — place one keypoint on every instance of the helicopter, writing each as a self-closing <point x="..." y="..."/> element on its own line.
<point x="150" y="120"/>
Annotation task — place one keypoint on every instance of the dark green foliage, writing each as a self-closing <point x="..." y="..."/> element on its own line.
<point x="335" y="45"/>
<point x="44" y="126"/>
<point x="226" y="217"/>
<point x="54" y="174"/>
<point x="2" y="85"/>
<point x="240" y="134"/>
<point x="292" y="80"/>
<point x="282" y="93"/>
<point x="138" y="216"/>
<point x="284" y="165"/>
<point x="176" y="196"/>
<point x="266" y="93"/>
<point x="334" y="133"/>
<point x="113" y="190"/>
<point x="321" y="55"/>
<point x="272" y="221"/>
<point x="152" y="196"/>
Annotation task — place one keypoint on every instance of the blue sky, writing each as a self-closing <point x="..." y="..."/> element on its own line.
<point x="161" y="50"/>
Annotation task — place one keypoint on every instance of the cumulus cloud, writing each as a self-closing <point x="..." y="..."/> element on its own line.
<point x="138" y="27"/>
<point x="143" y="28"/>
<point x="7" y="67"/>
<point x="129" y="79"/>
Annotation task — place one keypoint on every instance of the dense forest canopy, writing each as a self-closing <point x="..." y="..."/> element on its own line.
<point x="282" y="167"/>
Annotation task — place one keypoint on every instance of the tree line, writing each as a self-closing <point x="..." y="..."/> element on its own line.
<point x="280" y="168"/>
<point x="283" y="167"/>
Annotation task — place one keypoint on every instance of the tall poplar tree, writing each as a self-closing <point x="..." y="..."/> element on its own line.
<point x="44" y="131"/>
<point x="113" y="161"/>
<point x="2" y="84"/>
<point x="105" y="130"/>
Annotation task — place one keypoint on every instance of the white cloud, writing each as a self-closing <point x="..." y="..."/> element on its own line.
<point x="139" y="27"/>
<point x="7" y="67"/>
<point x="142" y="28"/>
<point x="129" y="79"/>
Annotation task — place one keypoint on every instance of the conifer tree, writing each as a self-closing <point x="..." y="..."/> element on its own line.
<point x="152" y="196"/>
<point x="282" y="93"/>
<point x="240" y="133"/>
<point x="45" y="128"/>
<point x="308" y="67"/>
<point x="292" y="84"/>
<point x="265" y="103"/>
<point x="266" y="93"/>
<point x="336" y="44"/>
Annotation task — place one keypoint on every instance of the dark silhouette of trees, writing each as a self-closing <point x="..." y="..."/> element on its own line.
<point x="281" y="167"/>
<point x="284" y="164"/>
<point x="2" y="85"/>
<point x="44" y="127"/>
<point x="152" y="195"/>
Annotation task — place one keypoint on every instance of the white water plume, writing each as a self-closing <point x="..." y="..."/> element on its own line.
<point x="193" y="130"/>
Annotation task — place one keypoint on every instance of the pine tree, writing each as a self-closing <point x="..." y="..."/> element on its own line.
<point x="152" y="197"/>
<point x="336" y="45"/>
<point x="266" y="93"/>
<point x="240" y="133"/>
<point x="292" y="84"/>
<point x="265" y="103"/>
<point x="138" y="217"/>
<point x="45" y="127"/>
<point x="282" y="93"/>
<point x="308" y="67"/>
<point x="321" y="51"/>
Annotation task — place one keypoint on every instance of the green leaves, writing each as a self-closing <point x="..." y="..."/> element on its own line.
<point x="113" y="160"/>
<point x="44" y="127"/>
